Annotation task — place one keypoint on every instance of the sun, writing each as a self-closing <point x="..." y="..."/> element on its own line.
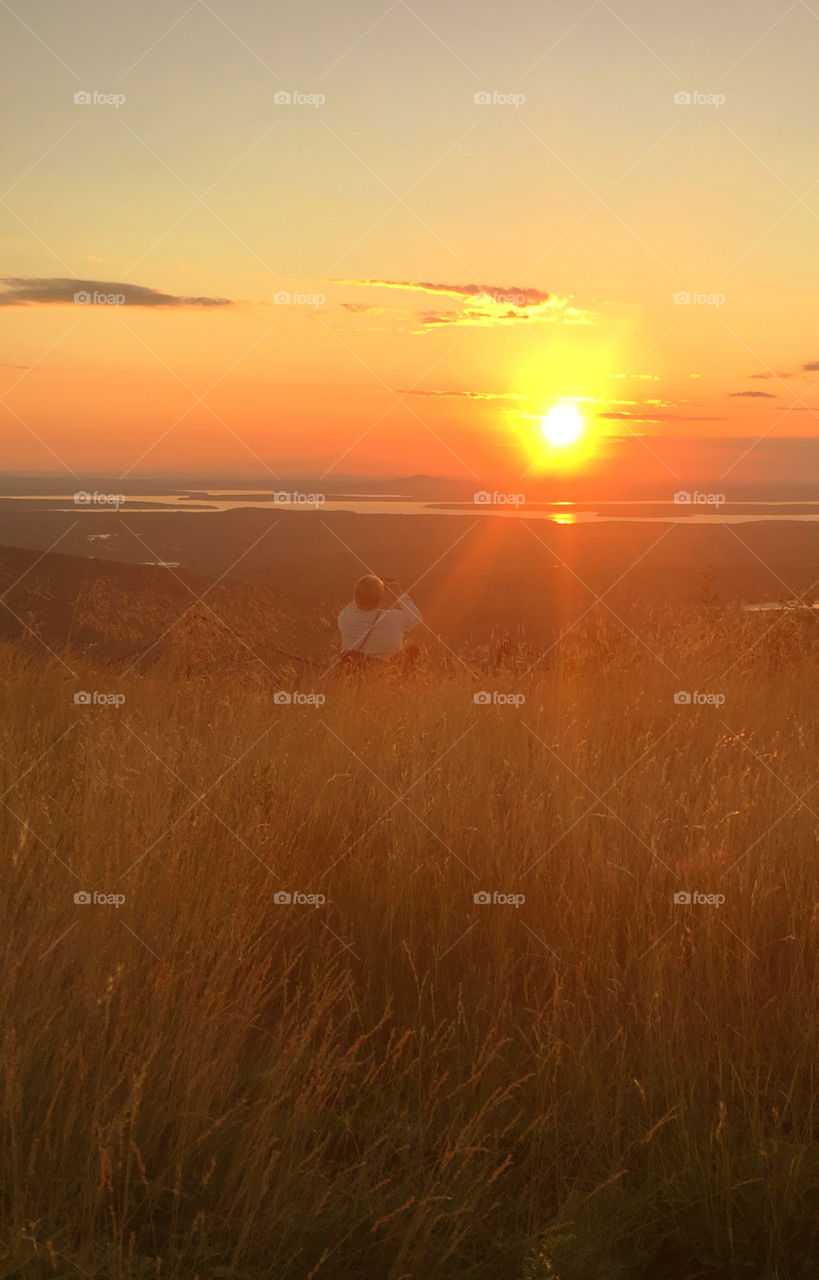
<point x="562" y="425"/>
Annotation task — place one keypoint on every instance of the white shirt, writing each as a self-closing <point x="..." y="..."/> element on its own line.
<point x="387" y="636"/>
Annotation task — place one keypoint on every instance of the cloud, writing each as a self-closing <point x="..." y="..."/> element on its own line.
<point x="438" y="317"/>
<point x="653" y="404"/>
<point x="659" y="417"/>
<point x="55" y="290"/>
<point x="523" y="297"/>
<point x="812" y="366"/>
<point x="482" y="304"/>
<point x="754" y="395"/>
<point x="364" y="309"/>
<point x="468" y="395"/>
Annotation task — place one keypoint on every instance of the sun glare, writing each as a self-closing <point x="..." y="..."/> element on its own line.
<point x="562" y="425"/>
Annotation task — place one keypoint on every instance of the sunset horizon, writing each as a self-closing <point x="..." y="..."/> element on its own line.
<point x="165" y="303"/>
<point x="409" y="621"/>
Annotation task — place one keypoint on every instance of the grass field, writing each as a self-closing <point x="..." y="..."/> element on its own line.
<point x="592" y="1080"/>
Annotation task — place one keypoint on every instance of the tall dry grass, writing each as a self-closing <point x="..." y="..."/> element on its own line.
<point x="399" y="1082"/>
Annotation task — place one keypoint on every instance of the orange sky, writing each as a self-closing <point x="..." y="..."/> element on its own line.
<point x="405" y="276"/>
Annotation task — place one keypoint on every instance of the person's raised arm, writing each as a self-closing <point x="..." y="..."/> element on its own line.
<point x="400" y="600"/>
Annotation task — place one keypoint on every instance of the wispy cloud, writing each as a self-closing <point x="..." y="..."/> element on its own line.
<point x="53" y="291"/>
<point x="649" y="416"/>
<point x="523" y="297"/>
<point x="467" y="395"/>
<point x="364" y="309"/>
<point x="812" y="366"/>
<point x="482" y="304"/>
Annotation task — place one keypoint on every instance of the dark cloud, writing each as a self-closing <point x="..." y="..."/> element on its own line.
<point x="754" y="395"/>
<point x="812" y="366"/>
<point x="20" y="291"/>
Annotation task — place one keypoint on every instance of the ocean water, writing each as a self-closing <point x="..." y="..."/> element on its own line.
<point x="565" y="513"/>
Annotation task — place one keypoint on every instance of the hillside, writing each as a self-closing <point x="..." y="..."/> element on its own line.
<point x="573" y="1074"/>
<point x="474" y="578"/>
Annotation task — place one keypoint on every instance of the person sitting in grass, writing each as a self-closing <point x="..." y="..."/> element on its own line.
<point x="374" y="624"/>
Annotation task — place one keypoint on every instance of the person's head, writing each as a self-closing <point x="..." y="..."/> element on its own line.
<point x="369" y="592"/>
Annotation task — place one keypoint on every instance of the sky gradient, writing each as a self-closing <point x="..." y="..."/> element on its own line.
<point x="390" y="273"/>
